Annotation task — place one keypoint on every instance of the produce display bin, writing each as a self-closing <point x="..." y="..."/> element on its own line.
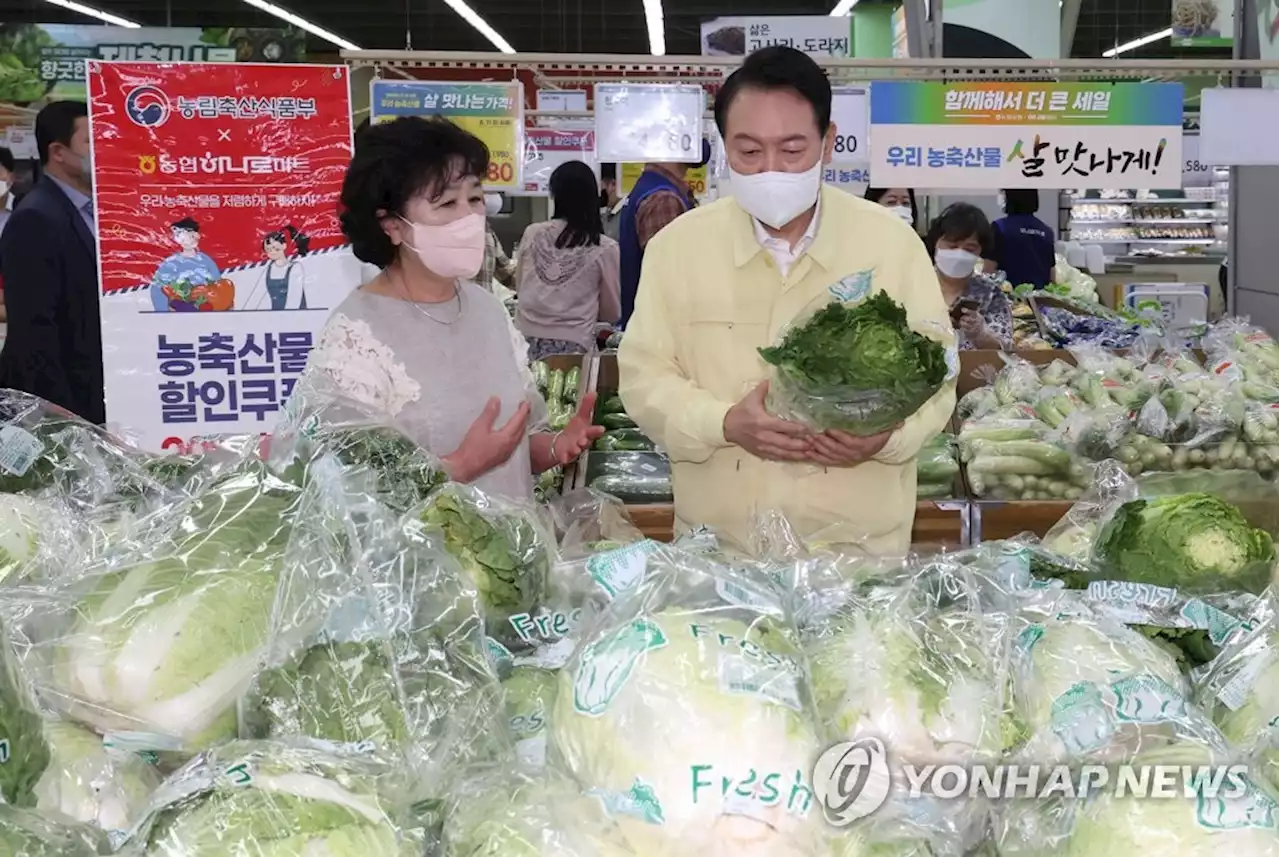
<point x="656" y="520"/>
<point x="1000" y="519"/>
<point x="941" y="523"/>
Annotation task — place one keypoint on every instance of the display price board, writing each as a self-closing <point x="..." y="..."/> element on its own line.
<point x="548" y="148"/>
<point x="850" y="169"/>
<point x="696" y="178"/>
<point x="220" y="254"/>
<point x="494" y="112"/>
<point x="1195" y="173"/>
<point x="649" y="122"/>
<point x="1033" y="135"/>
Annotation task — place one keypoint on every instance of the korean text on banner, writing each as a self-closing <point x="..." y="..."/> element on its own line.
<point x="1034" y="135"/>
<point x="494" y="112"/>
<point x="815" y="35"/>
<point x="849" y="169"/>
<point x="220" y="254"/>
<point x="548" y="148"/>
<point x="649" y="122"/>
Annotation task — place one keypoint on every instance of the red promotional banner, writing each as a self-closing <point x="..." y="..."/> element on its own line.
<point x="215" y="195"/>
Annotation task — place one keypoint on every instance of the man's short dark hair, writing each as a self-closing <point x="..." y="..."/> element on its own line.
<point x="395" y="162"/>
<point x="1021" y="201"/>
<point x="959" y="222"/>
<point x="56" y="123"/>
<point x="6" y="160"/>
<point x="187" y="224"/>
<point x="608" y="172"/>
<point x="779" y="67"/>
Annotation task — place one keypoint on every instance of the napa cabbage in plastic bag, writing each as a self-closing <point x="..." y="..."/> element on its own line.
<point x="92" y="783"/>
<point x="27" y="833"/>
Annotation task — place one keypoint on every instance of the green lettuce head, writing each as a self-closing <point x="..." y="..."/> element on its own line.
<point x="861" y="368"/>
<point x="91" y="783"/>
<point x="25" y="833"/>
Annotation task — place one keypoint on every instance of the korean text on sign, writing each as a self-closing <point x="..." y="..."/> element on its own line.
<point x="219" y="378"/>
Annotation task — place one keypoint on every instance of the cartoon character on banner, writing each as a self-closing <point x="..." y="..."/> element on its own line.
<point x="282" y="284"/>
<point x="189" y="280"/>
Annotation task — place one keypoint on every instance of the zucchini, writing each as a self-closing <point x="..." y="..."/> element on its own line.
<point x="617" y="421"/>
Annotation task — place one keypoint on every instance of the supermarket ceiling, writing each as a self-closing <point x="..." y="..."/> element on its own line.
<point x="578" y="26"/>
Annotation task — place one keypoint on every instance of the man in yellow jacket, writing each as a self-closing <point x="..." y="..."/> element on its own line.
<point x="725" y="280"/>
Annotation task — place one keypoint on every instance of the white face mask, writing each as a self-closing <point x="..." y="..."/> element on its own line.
<point x="776" y="199"/>
<point x="954" y="262"/>
<point x="492" y="204"/>
<point x="904" y="212"/>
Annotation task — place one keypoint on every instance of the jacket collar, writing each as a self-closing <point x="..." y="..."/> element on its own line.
<point x="824" y="248"/>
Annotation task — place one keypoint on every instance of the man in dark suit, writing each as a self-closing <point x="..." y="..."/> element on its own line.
<point x="49" y="261"/>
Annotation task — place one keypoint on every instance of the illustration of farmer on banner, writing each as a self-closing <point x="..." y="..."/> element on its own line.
<point x="282" y="284"/>
<point x="189" y="281"/>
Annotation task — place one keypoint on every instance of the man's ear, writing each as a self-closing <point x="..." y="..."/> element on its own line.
<point x="829" y="143"/>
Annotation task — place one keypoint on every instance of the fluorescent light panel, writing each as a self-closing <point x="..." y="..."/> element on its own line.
<point x="482" y="26"/>
<point x="302" y="24"/>
<point x="95" y="13"/>
<point x="657" y="29"/>
<point x="844" y="7"/>
<point x="1137" y="43"/>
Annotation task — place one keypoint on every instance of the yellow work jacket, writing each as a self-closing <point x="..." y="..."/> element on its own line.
<point x="710" y="296"/>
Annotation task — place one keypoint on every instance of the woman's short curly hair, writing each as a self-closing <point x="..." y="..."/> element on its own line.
<point x="395" y="162"/>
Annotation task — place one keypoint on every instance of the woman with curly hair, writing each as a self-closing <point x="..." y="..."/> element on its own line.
<point x="421" y="341"/>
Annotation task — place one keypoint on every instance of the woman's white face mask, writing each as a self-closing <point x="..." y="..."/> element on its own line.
<point x="776" y="199"/>
<point x="954" y="262"/>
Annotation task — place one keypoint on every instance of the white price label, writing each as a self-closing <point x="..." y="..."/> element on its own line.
<point x="649" y="122"/>
<point x="849" y="113"/>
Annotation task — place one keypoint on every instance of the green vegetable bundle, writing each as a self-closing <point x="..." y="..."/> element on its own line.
<point x="1017" y="460"/>
<point x="860" y="369"/>
<point x="936" y="468"/>
<point x="1194" y="542"/>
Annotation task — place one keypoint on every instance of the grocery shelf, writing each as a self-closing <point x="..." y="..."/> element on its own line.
<point x="1142" y="221"/>
<point x="1155" y="201"/>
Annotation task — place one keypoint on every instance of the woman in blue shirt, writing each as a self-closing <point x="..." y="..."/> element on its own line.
<point x="1023" y="243"/>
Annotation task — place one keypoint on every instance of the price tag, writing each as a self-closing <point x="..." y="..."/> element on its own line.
<point x="649" y="122"/>
<point x="1195" y="173"/>
<point x="548" y="148"/>
<point x="849" y="112"/>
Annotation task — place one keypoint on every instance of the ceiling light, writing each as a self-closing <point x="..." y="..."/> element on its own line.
<point x="302" y="24"/>
<point x="844" y="7"/>
<point x="657" y="31"/>
<point x="95" y="13"/>
<point x="469" y="15"/>
<point x="1137" y="43"/>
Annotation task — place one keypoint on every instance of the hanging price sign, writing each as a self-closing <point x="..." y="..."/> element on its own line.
<point x="849" y="112"/>
<point x="649" y="122"/>
<point x="548" y="148"/>
<point x="494" y="112"/>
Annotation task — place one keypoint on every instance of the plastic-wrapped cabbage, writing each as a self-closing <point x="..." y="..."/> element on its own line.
<point x="503" y="548"/>
<point x="32" y="534"/>
<point x="496" y="812"/>
<point x="388" y="657"/>
<point x="24" y="833"/>
<point x="24" y="753"/>
<point x="275" y="800"/>
<point x="1241" y="692"/>
<point x="931" y="684"/>
<point x="1092" y="689"/>
<point x="91" y="783"/>
<point x="685" y="711"/>
<point x="1221" y="814"/>
<point x="165" y="641"/>
<point x="530" y="694"/>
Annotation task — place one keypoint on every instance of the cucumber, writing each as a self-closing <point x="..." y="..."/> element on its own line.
<point x="617" y="421"/>
<point x="624" y="440"/>
<point x="648" y="487"/>
<point x="612" y="405"/>
<point x="541" y="374"/>
<point x="555" y="385"/>
<point x="571" y="379"/>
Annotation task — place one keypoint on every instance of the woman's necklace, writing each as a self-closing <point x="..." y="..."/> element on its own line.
<point x="457" y="295"/>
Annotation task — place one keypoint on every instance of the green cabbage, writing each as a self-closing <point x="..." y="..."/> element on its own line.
<point x="24" y="833"/>
<point x="92" y="784"/>
<point x="1241" y="692"/>
<point x="24" y="753"/>
<point x="1186" y="541"/>
<point x="859" y="368"/>
<point x="271" y="800"/>
<point x="20" y="534"/>
<point x="530" y="693"/>
<point x="691" y="730"/>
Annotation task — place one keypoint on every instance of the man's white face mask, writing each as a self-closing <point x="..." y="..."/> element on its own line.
<point x="776" y="199"/>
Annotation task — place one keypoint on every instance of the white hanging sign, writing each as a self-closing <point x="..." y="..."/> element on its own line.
<point x="548" y="148"/>
<point x="1240" y="127"/>
<point x="815" y="35"/>
<point x="649" y="122"/>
